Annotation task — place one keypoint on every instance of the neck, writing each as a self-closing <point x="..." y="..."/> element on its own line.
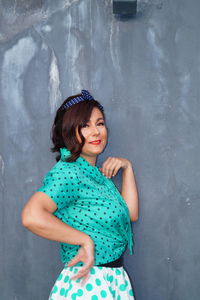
<point x="90" y="159"/>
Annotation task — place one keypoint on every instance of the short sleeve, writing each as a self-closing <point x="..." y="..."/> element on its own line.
<point x="59" y="186"/>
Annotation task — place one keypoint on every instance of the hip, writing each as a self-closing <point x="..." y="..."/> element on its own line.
<point x="104" y="282"/>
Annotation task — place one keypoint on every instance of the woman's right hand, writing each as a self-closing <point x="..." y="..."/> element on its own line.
<point x="86" y="255"/>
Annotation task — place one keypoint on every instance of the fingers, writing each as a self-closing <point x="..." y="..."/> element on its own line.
<point x="73" y="261"/>
<point x="110" y="167"/>
<point x="85" y="279"/>
<point x="82" y="272"/>
<point x="86" y="255"/>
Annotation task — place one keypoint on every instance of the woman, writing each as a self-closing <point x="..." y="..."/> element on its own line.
<point x="79" y="206"/>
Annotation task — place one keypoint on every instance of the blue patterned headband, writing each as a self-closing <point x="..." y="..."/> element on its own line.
<point x="85" y="95"/>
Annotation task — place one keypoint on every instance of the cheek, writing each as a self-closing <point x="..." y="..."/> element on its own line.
<point x="104" y="132"/>
<point x="85" y="133"/>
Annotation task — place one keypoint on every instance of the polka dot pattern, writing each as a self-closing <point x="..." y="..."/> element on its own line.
<point x="89" y="287"/>
<point x="103" y="294"/>
<point x="98" y="281"/>
<point x="91" y="203"/>
<point x="102" y="283"/>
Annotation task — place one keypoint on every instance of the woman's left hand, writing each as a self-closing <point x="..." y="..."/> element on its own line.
<point x="111" y="166"/>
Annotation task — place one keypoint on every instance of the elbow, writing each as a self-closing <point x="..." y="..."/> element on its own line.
<point x="25" y="219"/>
<point x="134" y="218"/>
<point x="33" y="219"/>
<point x="28" y="218"/>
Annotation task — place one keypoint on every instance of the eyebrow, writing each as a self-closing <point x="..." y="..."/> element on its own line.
<point x="98" y="119"/>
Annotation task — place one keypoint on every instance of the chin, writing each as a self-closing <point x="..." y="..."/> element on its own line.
<point x="97" y="152"/>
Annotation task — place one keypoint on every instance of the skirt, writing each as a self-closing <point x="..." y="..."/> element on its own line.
<point x="103" y="283"/>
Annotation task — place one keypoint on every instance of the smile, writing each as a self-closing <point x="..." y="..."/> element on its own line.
<point x="96" y="142"/>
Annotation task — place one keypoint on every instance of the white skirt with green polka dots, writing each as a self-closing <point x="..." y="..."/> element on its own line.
<point x="103" y="283"/>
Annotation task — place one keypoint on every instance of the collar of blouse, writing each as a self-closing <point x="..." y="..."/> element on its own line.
<point x="84" y="164"/>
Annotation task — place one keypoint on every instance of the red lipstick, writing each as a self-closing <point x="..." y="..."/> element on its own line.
<point x="97" y="142"/>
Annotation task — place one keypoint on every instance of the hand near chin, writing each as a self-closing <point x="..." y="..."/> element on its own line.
<point x="111" y="166"/>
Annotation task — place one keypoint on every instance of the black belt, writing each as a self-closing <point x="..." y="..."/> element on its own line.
<point x="114" y="264"/>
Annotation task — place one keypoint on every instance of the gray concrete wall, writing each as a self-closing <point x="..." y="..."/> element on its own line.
<point x="146" y="73"/>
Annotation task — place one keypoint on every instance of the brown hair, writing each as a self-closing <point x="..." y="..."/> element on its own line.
<point x="63" y="133"/>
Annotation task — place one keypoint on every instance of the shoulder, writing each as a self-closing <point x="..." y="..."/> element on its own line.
<point x="63" y="171"/>
<point x="59" y="183"/>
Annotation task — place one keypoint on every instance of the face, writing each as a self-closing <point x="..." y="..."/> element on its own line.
<point x="95" y="134"/>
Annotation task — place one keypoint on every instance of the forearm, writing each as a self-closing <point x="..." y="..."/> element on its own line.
<point x="129" y="192"/>
<point x="46" y="225"/>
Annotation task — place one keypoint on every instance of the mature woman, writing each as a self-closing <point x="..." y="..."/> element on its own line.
<point x="79" y="206"/>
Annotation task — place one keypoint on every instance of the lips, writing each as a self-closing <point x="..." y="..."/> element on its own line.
<point x="96" y="142"/>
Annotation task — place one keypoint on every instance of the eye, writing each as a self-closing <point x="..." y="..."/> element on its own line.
<point x="84" y="125"/>
<point x="102" y="123"/>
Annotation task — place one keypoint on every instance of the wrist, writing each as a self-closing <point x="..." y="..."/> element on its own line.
<point x="87" y="241"/>
<point x="128" y="166"/>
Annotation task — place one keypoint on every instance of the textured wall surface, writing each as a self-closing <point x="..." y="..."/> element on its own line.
<point x="146" y="72"/>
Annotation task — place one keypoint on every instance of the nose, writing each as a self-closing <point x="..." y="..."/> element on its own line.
<point x="95" y="130"/>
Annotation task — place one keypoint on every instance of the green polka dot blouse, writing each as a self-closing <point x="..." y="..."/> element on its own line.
<point x="91" y="203"/>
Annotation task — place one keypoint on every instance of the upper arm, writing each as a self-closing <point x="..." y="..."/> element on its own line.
<point x="40" y="200"/>
<point x="37" y="203"/>
<point x="56" y="192"/>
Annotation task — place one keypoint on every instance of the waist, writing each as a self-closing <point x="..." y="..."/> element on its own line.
<point x="114" y="264"/>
